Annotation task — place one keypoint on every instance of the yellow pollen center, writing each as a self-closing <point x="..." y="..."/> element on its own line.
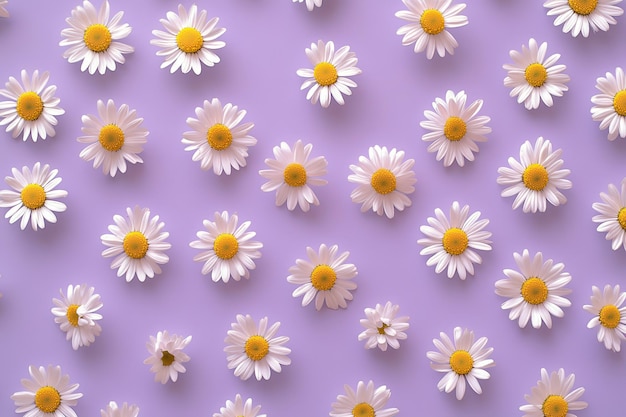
<point x="455" y="241"/>
<point x="325" y="74"/>
<point x="323" y="277"/>
<point x="554" y="406"/>
<point x="111" y="138"/>
<point x="363" y="410"/>
<point x="383" y="181"/>
<point x="47" y="399"/>
<point x="189" y="40"/>
<point x="621" y="217"/>
<point x="295" y="175"/>
<point x="534" y="291"/>
<point x="381" y="329"/>
<point x="432" y="21"/>
<point x="455" y="128"/>
<point x="219" y="137"/>
<point x="29" y="106"/>
<point x="461" y="362"/>
<point x="135" y="245"/>
<point x="619" y="103"/>
<point x="33" y="196"/>
<point x="535" y="177"/>
<point x="610" y="316"/>
<point x="72" y="315"/>
<point x="583" y="7"/>
<point x="256" y="347"/>
<point x="167" y="358"/>
<point x="226" y="246"/>
<point x="97" y="37"/>
<point x="536" y="74"/>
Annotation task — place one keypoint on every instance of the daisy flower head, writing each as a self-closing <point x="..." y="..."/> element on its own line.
<point x="32" y="108"/>
<point x="331" y="72"/>
<point x="553" y="396"/>
<point x="577" y="16"/>
<point x="33" y="196"/>
<point x="239" y="408"/>
<point x="77" y="314"/>
<point x="113" y="410"/>
<point x="452" y="242"/>
<point x="384" y="181"/>
<point x="218" y="139"/>
<point x="291" y="174"/>
<point x="367" y="400"/>
<point x="310" y="4"/>
<point x="137" y="244"/>
<point x="167" y="356"/>
<point x="254" y="349"/>
<point x="610" y="105"/>
<point x="382" y="327"/>
<point x="189" y="40"/>
<point x="608" y="315"/>
<point x="536" y="178"/>
<point x="3" y="11"/>
<point x="325" y="277"/>
<point x="612" y="215"/>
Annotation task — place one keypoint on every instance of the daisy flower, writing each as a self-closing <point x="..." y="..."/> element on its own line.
<point x="113" y="410"/>
<point x="48" y="392"/>
<point x="330" y="76"/>
<point x="463" y="360"/>
<point x="429" y="21"/>
<point x="239" y="409"/>
<point x="3" y="11"/>
<point x="367" y="400"/>
<point x="382" y="327"/>
<point x="454" y="128"/>
<point x="167" y="356"/>
<point x="189" y="40"/>
<point x="33" y="196"/>
<point x="227" y="248"/>
<point x="253" y="348"/>
<point x="452" y="242"/>
<point x="536" y="178"/>
<point x="609" y="315"/>
<point x="137" y="243"/>
<point x="536" y="292"/>
<point x="77" y="314"/>
<point x="610" y="105"/>
<point x="325" y="277"/>
<point x="113" y="137"/>
<point x="218" y="139"/>
<point x="310" y="4"/>
<point x="553" y="396"/>
<point x="577" y="16"/>
<point x="384" y="181"/>
<point x="291" y="174"/>
<point x="31" y="108"/>
<point x="612" y="217"/>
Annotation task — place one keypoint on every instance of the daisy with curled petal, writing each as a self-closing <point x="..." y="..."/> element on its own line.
<point x="167" y="356"/>
<point x="137" y="243"/>
<point x="3" y="11"/>
<point x="382" y="327"/>
<point x="239" y="408"/>
<point x="609" y="315"/>
<point x="612" y="217"/>
<point x="113" y="410"/>
<point x="367" y="400"/>
<point x="610" y="105"/>
<point x="577" y="16"/>
<point x="553" y="396"/>
<point x="310" y="4"/>
<point x="77" y="314"/>
<point x="452" y="242"/>
<point x="189" y="40"/>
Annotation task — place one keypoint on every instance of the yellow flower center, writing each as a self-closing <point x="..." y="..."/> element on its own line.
<point x="535" y="177"/>
<point x="219" y="137"/>
<point x="583" y="7"/>
<point x="536" y="74"/>
<point x="33" y="196"/>
<point x="325" y="74"/>
<point x="432" y="21"/>
<point x="72" y="315"/>
<point x="135" y="245"/>
<point x="461" y="362"/>
<point x="29" y="106"/>
<point x="226" y="246"/>
<point x="167" y="358"/>
<point x="610" y="316"/>
<point x="189" y="40"/>
<point x="363" y="410"/>
<point x="381" y="329"/>
<point x="323" y="277"/>
<point x="383" y="181"/>
<point x="295" y="175"/>
<point x="257" y="347"/>
<point x="534" y="291"/>
<point x="455" y="241"/>
<point x="455" y="128"/>
<point x="619" y="103"/>
<point x="554" y="406"/>
<point x="97" y="37"/>
<point x="621" y="217"/>
<point x="47" y="399"/>
<point x="111" y="137"/>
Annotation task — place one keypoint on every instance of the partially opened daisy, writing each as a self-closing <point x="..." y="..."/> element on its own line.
<point x="291" y="174"/>
<point x="331" y="72"/>
<point x="612" y="215"/>
<point x="167" y="356"/>
<point x="254" y="349"/>
<point x="239" y="408"/>
<point x="452" y="242"/>
<point x="310" y="4"/>
<point x="578" y="16"/>
<point x="189" y="40"/>
<point x="367" y="400"/>
<point x="609" y="316"/>
<point x="219" y="140"/>
<point x="384" y="181"/>
<point x="553" y="396"/>
<point x="77" y="314"/>
<point x="138" y="244"/>
<point x="325" y="277"/>
<point x="125" y="410"/>
<point x="33" y="196"/>
<point x="609" y="107"/>
<point x="32" y="107"/>
<point x="383" y="327"/>
<point x="3" y="11"/>
<point x="536" y="178"/>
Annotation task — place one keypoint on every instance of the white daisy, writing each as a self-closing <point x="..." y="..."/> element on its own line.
<point x="113" y="410"/>
<point x="612" y="217"/>
<point x="609" y="315"/>
<point x="253" y="348"/>
<point x="113" y="137"/>
<point x="31" y="108"/>
<point x="536" y="292"/>
<point x="33" y="196"/>
<point x="189" y="40"/>
<point x="325" y="277"/>
<point x="463" y="360"/>
<point x="429" y="21"/>
<point x="452" y="242"/>
<point x="218" y="139"/>
<point x="553" y="396"/>
<point x="577" y="16"/>
<point x="77" y="313"/>
<point x="454" y="128"/>
<point x="534" y="77"/>
<point x="137" y="243"/>
<point x="239" y="408"/>
<point x="382" y="327"/>
<point x="366" y="401"/>
<point x="292" y="174"/>
<point x="48" y="392"/>
<point x="384" y="181"/>
<point x="228" y="250"/>
<point x="536" y="178"/>
<point x="310" y="4"/>
<point x="610" y="105"/>
<point x="330" y="76"/>
<point x="167" y="356"/>
<point x="3" y="11"/>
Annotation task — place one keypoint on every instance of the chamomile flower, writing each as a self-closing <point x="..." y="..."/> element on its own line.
<point x="239" y="408"/>
<point x="382" y="327"/>
<point x="34" y="196"/>
<point x="254" y="349"/>
<point x="48" y="392"/>
<point x="429" y="24"/>
<point x="454" y="128"/>
<point x="310" y="4"/>
<point x="610" y="105"/>
<point x="167" y="356"/>
<point x="553" y="396"/>
<point x="578" y="16"/>
<point x="609" y="315"/>
<point x="32" y="108"/>
<point x="453" y="242"/>
<point x="77" y="314"/>
<point x="535" y="78"/>
<point x="218" y="139"/>
<point x="612" y="217"/>
<point x="325" y="277"/>
<point x="536" y="178"/>
<point x="137" y="243"/>
<point x="113" y="410"/>
<point x="292" y="174"/>
<point x="384" y="181"/>
<point x="367" y="400"/>
<point x="462" y="359"/>
<point x="331" y="72"/>
<point x="3" y="11"/>
<point x="113" y="137"/>
<point x="189" y="40"/>
<point x="535" y="292"/>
